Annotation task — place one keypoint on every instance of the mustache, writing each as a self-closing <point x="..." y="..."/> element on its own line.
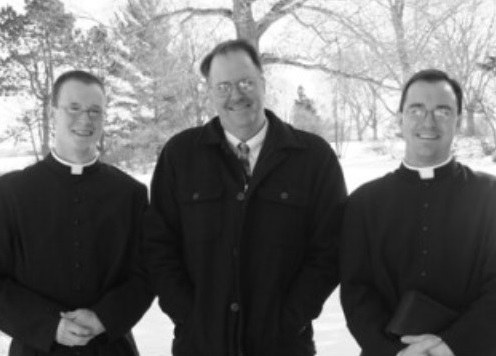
<point x="239" y="101"/>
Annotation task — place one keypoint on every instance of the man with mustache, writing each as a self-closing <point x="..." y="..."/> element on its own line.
<point x="246" y="209"/>
<point x="70" y="231"/>
<point x="421" y="241"/>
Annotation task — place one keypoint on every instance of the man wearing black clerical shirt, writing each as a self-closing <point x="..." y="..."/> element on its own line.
<point x="427" y="227"/>
<point x="244" y="251"/>
<point x="70" y="231"/>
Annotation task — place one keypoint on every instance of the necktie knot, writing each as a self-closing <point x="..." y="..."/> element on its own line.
<point x="243" y="150"/>
<point x="243" y="153"/>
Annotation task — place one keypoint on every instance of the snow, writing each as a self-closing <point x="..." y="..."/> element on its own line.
<point x="360" y="164"/>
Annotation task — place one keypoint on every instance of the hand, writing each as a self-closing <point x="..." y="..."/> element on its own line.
<point x="419" y="345"/>
<point x="441" y="350"/>
<point x="71" y="334"/>
<point x="85" y="318"/>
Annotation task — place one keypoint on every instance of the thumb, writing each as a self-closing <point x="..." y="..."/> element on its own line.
<point x="410" y="339"/>
<point x="71" y="315"/>
<point x="421" y="343"/>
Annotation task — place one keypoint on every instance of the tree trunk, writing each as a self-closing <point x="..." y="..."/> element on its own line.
<point x="374" y="126"/>
<point x="396" y="10"/>
<point x="470" y="129"/>
<point x="45" y="126"/>
<point x="32" y="136"/>
<point x="359" y="130"/>
<point x="246" y="27"/>
<point x="337" y="140"/>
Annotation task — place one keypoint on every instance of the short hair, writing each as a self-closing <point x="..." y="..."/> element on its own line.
<point x="230" y="46"/>
<point x="79" y="75"/>
<point x="431" y="76"/>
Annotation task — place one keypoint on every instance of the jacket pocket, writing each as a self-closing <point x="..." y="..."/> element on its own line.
<point x="283" y="196"/>
<point x="284" y="213"/>
<point x="201" y="210"/>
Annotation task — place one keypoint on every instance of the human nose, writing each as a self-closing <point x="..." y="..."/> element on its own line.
<point x="236" y="92"/>
<point x="84" y="115"/>
<point x="429" y="118"/>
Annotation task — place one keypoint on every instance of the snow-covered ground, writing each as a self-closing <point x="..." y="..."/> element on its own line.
<point x="154" y="332"/>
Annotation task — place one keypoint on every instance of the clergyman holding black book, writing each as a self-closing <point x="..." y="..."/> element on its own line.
<point x="418" y="252"/>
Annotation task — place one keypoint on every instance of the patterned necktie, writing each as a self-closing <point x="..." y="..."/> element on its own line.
<point x="243" y="153"/>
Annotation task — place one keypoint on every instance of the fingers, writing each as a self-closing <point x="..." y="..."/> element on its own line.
<point x="412" y="339"/>
<point x="419" y="344"/>
<point x="441" y="350"/>
<point x="72" y="315"/>
<point x="86" y="318"/>
<point x="72" y="334"/>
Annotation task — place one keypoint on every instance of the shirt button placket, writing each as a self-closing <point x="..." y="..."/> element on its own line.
<point x="77" y="266"/>
<point x="425" y="230"/>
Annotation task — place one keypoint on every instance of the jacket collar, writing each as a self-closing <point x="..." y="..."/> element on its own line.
<point x="279" y="135"/>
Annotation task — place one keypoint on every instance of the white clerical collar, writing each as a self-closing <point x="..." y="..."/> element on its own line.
<point x="254" y="143"/>
<point x="76" y="168"/>
<point x="427" y="172"/>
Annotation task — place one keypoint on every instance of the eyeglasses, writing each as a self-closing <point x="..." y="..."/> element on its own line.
<point x="420" y="113"/>
<point x="78" y="110"/>
<point x="223" y="89"/>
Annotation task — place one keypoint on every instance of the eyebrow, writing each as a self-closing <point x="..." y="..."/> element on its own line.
<point x="93" y="106"/>
<point x="446" y="107"/>
<point x="420" y="105"/>
<point x="416" y="105"/>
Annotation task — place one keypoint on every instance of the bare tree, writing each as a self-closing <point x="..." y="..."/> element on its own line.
<point x="461" y="46"/>
<point x="33" y="45"/>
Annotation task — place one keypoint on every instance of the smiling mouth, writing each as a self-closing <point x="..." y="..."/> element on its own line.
<point x="83" y="133"/>
<point x="239" y="107"/>
<point x="427" y="136"/>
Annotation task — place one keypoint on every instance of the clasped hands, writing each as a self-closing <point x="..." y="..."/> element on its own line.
<point x="78" y="327"/>
<point x="425" y="345"/>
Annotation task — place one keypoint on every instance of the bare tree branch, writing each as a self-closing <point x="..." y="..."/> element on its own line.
<point x="361" y="33"/>
<point x="193" y="12"/>
<point x="278" y="11"/>
<point x="313" y="28"/>
<point x="271" y="59"/>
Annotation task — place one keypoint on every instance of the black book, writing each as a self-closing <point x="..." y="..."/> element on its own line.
<point x="419" y="314"/>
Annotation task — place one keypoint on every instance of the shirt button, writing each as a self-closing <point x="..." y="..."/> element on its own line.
<point x="77" y="265"/>
<point x="425" y="228"/>
<point x="424" y="252"/>
<point x="240" y="196"/>
<point x="423" y="274"/>
<point x="426" y="205"/>
<point x="234" y="307"/>
<point x="235" y="252"/>
<point x="284" y="195"/>
<point x="196" y="196"/>
<point x="76" y="222"/>
<point x="77" y="244"/>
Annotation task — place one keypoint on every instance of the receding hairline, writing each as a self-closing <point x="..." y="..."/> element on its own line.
<point x="230" y="53"/>
<point x="230" y="46"/>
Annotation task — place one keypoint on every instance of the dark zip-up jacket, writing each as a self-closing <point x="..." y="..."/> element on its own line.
<point x="244" y="272"/>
